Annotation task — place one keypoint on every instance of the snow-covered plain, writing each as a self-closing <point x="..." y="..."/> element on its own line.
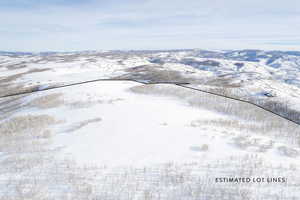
<point x="126" y="140"/>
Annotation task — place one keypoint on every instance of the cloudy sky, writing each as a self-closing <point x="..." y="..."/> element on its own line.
<point x="68" y="25"/>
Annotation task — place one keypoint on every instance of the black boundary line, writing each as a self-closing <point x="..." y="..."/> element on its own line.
<point x="84" y="82"/>
<point x="183" y="85"/>
<point x="244" y="101"/>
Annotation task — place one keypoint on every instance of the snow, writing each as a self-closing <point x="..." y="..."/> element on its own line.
<point x="136" y="130"/>
<point x="133" y="129"/>
<point x="106" y="123"/>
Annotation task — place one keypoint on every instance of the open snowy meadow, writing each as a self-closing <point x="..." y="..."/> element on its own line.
<point x="124" y="139"/>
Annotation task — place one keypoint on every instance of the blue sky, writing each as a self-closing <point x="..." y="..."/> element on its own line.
<point x="69" y="25"/>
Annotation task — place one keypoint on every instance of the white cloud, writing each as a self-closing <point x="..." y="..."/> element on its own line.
<point x="132" y="24"/>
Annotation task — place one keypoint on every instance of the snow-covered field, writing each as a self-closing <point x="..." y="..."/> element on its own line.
<point x="127" y="140"/>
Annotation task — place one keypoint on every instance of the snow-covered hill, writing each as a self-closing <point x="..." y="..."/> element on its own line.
<point x="262" y="77"/>
<point x="119" y="139"/>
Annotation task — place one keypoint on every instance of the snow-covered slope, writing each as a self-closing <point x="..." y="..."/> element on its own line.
<point x="126" y="140"/>
<point x="142" y="134"/>
<point x="258" y="76"/>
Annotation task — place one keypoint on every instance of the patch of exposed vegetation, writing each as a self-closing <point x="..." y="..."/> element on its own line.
<point x="29" y="124"/>
<point x="283" y="109"/>
<point x="154" y="74"/>
<point x="47" y="101"/>
<point x="8" y="84"/>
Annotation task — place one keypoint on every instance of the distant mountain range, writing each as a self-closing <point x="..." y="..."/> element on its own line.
<point x="251" y="55"/>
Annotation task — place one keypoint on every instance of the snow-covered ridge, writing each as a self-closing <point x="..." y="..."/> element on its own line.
<point x="250" y="74"/>
<point x="123" y="140"/>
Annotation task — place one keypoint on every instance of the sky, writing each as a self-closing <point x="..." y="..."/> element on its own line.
<point x="75" y="25"/>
